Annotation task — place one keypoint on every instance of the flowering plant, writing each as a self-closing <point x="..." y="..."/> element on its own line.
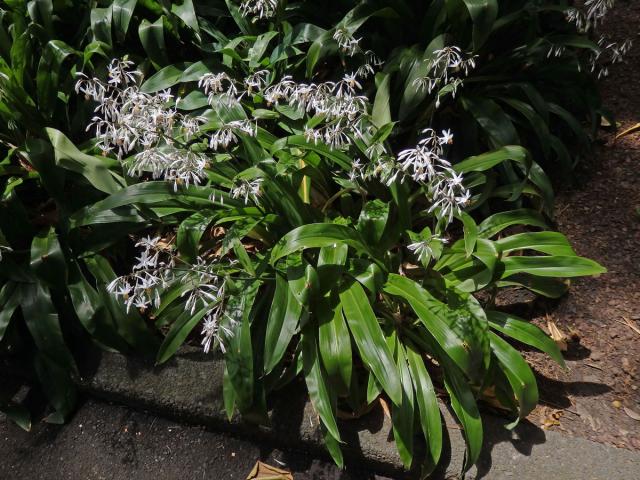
<point x="315" y="249"/>
<point x="315" y="198"/>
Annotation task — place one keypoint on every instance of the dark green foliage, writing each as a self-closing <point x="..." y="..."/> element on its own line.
<point x="325" y="286"/>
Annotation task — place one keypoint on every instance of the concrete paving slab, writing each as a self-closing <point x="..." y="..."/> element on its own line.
<point x="189" y="387"/>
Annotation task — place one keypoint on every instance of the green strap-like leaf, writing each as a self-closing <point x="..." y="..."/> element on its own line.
<point x="518" y="374"/>
<point x="238" y="347"/>
<point x="497" y="222"/>
<point x="282" y="323"/>
<point x="47" y="260"/>
<point x="423" y="303"/>
<point x="334" y="341"/>
<point x="316" y="383"/>
<point x="403" y="416"/>
<point x="551" y="266"/>
<point x="178" y="333"/>
<point x="551" y="243"/>
<point x="94" y="169"/>
<point x="524" y="332"/>
<point x="370" y="340"/>
<point x="427" y="402"/>
<point x="9" y="301"/>
<point x="317" y="235"/>
<point x="488" y="160"/>
<point x="121" y="13"/>
<point x="484" y="14"/>
<point x="152" y="39"/>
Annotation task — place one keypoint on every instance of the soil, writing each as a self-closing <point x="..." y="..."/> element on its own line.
<point x="598" y="395"/>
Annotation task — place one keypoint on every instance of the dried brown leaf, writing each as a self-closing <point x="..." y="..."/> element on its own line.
<point x="262" y="471"/>
<point x="557" y="335"/>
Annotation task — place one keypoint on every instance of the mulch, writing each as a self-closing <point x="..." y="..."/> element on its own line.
<point x="598" y="395"/>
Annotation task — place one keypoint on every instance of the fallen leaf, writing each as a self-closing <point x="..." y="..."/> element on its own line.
<point x="385" y="407"/>
<point x="632" y="414"/>
<point x="628" y="131"/>
<point x="630" y="324"/>
<point x="557" y="335"/>
<point x="262" y="471"/>
<point x="552" y="419"/>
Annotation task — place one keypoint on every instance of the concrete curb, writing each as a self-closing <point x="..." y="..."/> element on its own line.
<point x="189" y="388"/>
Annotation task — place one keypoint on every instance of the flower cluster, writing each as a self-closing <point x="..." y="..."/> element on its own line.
<point x="157" y="268"/>
<point x="608" y="54"/>
<point x="590" y="14"/>
<point x="425" y="165"/>
<point x="152" y="272"/>
<point x="444" y="70"/>
<point x="338" y="103"/>
<point x="128" y="119"/>
<point x="346" y="41"/>
<point x="587" y="17"/>
<point x="259" y="9"/>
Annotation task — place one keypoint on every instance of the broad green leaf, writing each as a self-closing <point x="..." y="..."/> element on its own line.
<point x="282" y="323"/>
<point x="9" y="301"/>
<point x="373" y="221"/>
<point x="48" y="76"/>
<point x="316" y="383"/>
<point x="525" y="332"/>
<point x="333" y="446"/>
<point x="178" y="333"/>
<point x="18" y="414"/>
<point x="92" y="313"/>
<point x="190" y="233"/>
<point x="43" y="323"/>
<point x="95" y="170"/>
<point x="101" y="24"/>
<point x="484" y="14"/>
<point x="121" y="13"/>
<point x="425" y="306"/>
<point x="152" y="39"/>
<point x="130" y="324"/>
<point x="493" y="120"/>
<point x="184" y="11"/>
<point x="427" y="403"/>
<point x="47" y="259"/>
<point x="465" y="407"/>
<point x="518" y="374"/>
<point x="486" y="161"/>
<point x="551" y="266"/>
<point x="497" y="222"/>
<point x="317" y="235"/>
<point x="545" y="286"/>
<point x="381" y="113"/>
<point x="551" y="243"/>
<point x="334" y="341"/>
<point x="470" y="233"/>
<point x="402" y="416"/>
<point x="239" y="353"/>
<point x="369" y="339"/>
